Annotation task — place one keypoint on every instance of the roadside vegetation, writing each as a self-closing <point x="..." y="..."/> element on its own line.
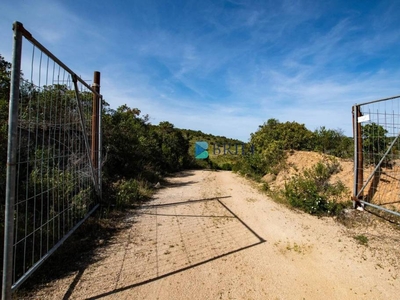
<point x="138" y="155"/>
<point x="312" y="190"/>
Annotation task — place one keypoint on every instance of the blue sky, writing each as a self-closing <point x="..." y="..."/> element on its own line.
<point x="224" y="67"/>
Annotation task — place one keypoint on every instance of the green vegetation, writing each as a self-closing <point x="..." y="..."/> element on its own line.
<point x="273" y="140"/>
<point x="361" y="239"/>
<point x="291" y="136"/>
<point x="332" y="142"/>
<point x="214" y="162"/>
<point x="374" y="142"/>
<point x="138" y="155"/>
<point x="312" y="191"/>
<point x="5" y="74"/>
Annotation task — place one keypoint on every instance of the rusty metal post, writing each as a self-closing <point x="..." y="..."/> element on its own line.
<point x="358" y="157"/>
<point x="95" y="122"/>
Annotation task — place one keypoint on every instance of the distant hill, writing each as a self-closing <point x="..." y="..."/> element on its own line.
<point x="192" y="136"/>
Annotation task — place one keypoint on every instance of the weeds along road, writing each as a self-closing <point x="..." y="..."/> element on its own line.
<point x="211" y="235"/>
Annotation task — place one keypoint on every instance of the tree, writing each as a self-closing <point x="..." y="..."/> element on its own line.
<point x="174" y="147"/>
<point x="5" y="78"/>
<point x="138" y="153"/>
<point x="270" y="142"/>
<point x="291" y="135"/>
<point x="5" y="75"/>
<point x="374" y="141"/>
<point x="124" y="135"/>
<point x="333" y="142"/>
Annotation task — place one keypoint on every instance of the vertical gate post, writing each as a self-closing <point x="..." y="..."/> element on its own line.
<point x="96" y="124"/>
<point x="358" y="156"/>
<point x="11" y="163"/>
<point x="100" y="146"/>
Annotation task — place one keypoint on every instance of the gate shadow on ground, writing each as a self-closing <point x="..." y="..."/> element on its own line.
<point x="185" y="173"/>
<point x="143" y="207"/>
<point x="168" y="184"/>
<point x="181" y="236"/>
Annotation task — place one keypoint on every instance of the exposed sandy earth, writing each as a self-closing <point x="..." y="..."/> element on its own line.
<point x="212" y="235"/>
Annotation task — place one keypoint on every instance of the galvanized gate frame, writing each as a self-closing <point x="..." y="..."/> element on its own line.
<point x="94" y="157"/>
<point x="359" y="183"/>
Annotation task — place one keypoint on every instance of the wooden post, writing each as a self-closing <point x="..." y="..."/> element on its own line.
<point x="358" y="159"/>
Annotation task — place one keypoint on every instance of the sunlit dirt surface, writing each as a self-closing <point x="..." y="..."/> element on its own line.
<point x="213" y="235"/>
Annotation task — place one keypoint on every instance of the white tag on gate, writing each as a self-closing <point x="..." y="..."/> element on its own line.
<point x="363" y="119"/>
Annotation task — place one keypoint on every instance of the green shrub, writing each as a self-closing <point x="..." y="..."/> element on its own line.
<point x="226" y="167"/>
<point x="312" y="191"/>
<point x="131" y="191"/>
<point x="270" y="159"/>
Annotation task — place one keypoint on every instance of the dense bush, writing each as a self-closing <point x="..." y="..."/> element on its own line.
<point x="312" y="191"/>
<point x="5" y="73"/>
<point x="138" y="154"/>
<point x="290" y="135"/>
<point x="262" y="161"/>
<point x="131" y="191"/>
<point x="333" y="142"/>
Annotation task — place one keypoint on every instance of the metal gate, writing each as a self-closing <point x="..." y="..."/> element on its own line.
<point x="53" y="159"/>
<point x="376" y="127"/>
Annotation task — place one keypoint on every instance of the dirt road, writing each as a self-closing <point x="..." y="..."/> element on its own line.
<point x="211" y="235"/>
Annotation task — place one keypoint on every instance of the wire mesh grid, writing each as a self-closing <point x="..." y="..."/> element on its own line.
<point x="55" y="179"/>
<point x="380" y="130"/>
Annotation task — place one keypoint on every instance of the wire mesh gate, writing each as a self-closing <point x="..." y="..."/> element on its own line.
<point x="376" y="126"/>
<point x="53" y="160"/>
